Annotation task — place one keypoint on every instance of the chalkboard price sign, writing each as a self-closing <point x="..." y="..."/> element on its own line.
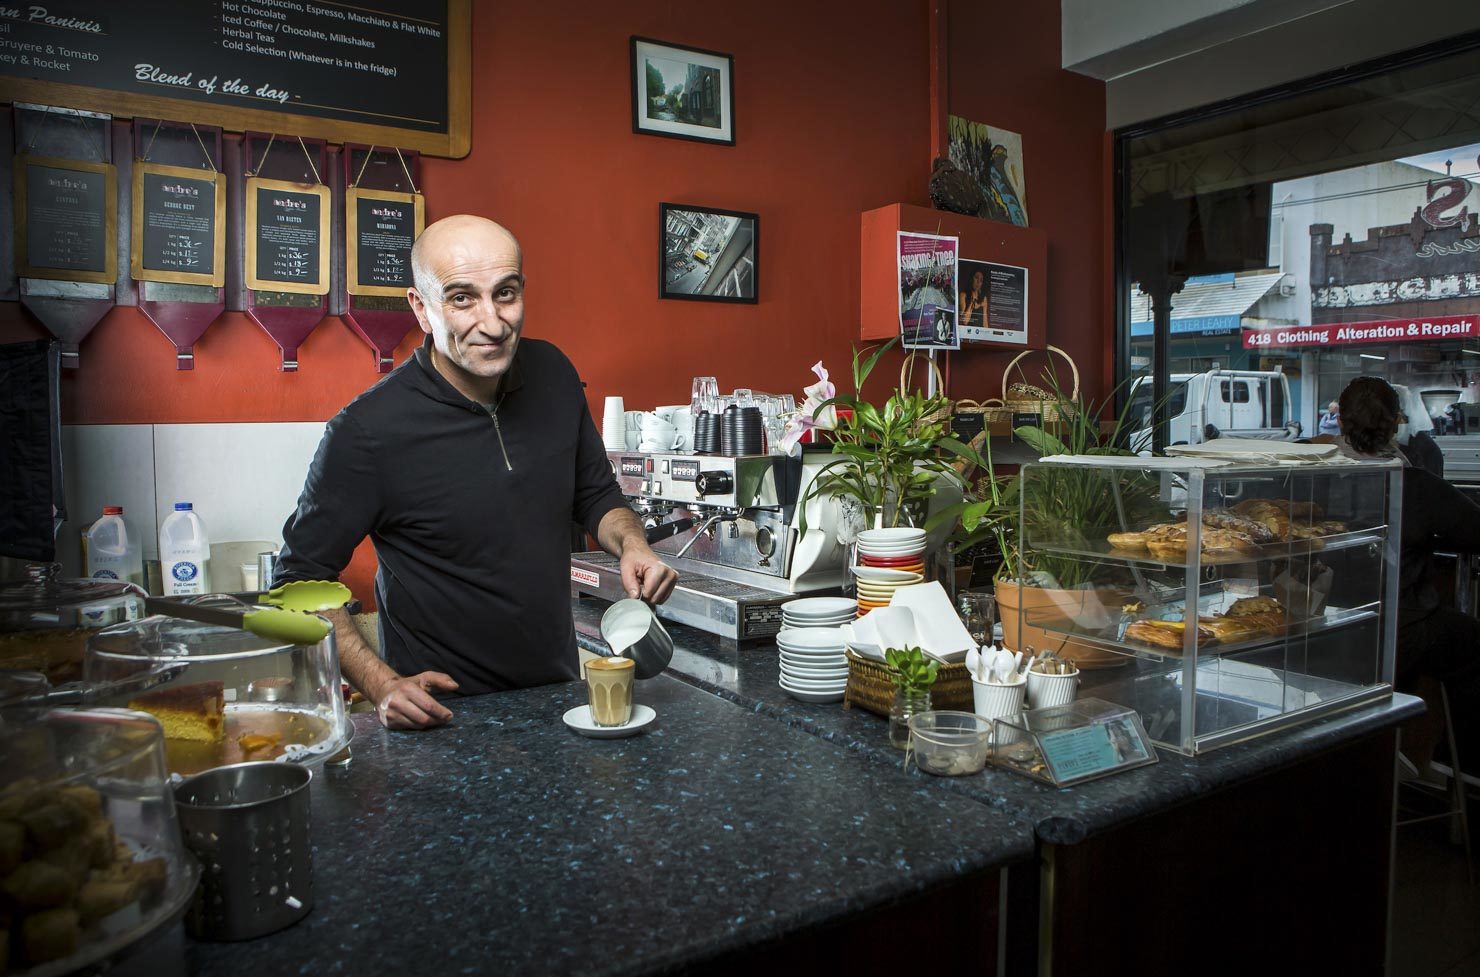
<point x="393" y="72"/>
<point x="381" y="227"/>
<point x="178" y="217"/>
<point x="66" y="219"/>
<point x="287" y="236"/>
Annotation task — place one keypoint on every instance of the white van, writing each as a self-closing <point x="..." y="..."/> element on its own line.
<point x="1216" y="404"/>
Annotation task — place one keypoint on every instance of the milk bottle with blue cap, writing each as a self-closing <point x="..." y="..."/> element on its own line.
<point x="183" y="552"/>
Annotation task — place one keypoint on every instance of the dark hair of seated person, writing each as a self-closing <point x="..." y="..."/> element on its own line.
<point x="1369" y="415"/>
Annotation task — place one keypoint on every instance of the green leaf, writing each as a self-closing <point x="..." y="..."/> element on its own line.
<point x="1042" y="442"/>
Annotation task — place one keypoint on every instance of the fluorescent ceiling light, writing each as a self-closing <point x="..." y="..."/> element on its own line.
<point x="1472" y="352"/>
<point x="1371" y="356"/>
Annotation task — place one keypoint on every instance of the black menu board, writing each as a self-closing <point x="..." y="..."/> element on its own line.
<point x="287" y="236"/>
<point x="381" y="226"/>
<point x="393" y="72"/>
<point x="178" y="224"/>
<point x="66" y="219"/>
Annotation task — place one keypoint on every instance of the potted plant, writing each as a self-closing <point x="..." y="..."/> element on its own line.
<point x="913" y="674"/>
<point x="1065" y="504"/>
<point x="894" y="459"/>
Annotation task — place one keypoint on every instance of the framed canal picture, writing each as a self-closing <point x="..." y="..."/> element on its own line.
<point x="287" y="236"/>
<point x="381" y="226"/>
<point x="682" y="92"/>
<point x="179" y="224"/>
<point x="66" y="219"/>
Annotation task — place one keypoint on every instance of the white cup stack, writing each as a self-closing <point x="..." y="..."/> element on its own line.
<point x="614" y="425"/>
<point x="814" y="664"/>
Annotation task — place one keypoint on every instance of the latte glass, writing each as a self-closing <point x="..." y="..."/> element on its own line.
<point x="609" y="684"/>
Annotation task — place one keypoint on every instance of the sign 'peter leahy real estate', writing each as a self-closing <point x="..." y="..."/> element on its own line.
<point x="393" y="72"/>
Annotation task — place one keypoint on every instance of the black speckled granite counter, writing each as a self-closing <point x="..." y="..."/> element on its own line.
<point x="748" y="677"/>
<point x="494" y="844"/>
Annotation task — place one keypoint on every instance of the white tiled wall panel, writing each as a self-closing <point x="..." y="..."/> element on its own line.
<point x="106" y="464"/>
<point x="243" y="479"/>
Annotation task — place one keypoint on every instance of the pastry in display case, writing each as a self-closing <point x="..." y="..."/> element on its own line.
<point x="233" y="696"/>
<point x="45" y="619"/>
<point x="1250" y="597"/>
<point x="91" y="859"/>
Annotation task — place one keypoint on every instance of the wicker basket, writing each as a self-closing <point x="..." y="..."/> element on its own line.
<point x="870" y="686"/>
<point x="943" y="414"/>
<point x="1027" y="398"/>
<point x="990" y="409"/>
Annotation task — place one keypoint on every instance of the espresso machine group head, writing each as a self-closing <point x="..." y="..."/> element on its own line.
<point x="730" y="526"/>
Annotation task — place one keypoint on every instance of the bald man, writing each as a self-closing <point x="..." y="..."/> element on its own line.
<point x="465" y="466"/>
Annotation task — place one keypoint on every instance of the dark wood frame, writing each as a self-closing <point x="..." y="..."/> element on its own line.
<point x="454" y="143"/>
<point x="728" y="83"/>
<point x="663" y="293"/>
<point x="250" y="186"/>
<point x="217" y="277"/>
<point x="352" y="197"/>
<point x="109" y="276"/>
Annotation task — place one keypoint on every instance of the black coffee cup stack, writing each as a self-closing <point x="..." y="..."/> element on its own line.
<point x="706" y="433"/>
<point x="742" y="431"/>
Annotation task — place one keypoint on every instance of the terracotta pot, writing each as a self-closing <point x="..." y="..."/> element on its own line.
<point x="1092" y="608"/>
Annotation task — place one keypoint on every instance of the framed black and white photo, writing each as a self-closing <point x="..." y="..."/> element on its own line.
<point x="682" y="92"/>
<point x="707" y="254"/>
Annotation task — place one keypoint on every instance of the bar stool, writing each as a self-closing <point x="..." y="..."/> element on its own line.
<point x="1454" y="792"/>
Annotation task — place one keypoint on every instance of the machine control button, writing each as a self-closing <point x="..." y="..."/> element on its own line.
<point x="715" y="483"/>
<point x="765" y="542"/>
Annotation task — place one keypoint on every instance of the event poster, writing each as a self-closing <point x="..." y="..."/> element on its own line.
<point x="927" y="284"/>
<point x="993" y="303"/>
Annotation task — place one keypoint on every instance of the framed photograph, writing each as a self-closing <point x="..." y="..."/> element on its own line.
<point x="707" y="254"/>
<point x="682" y="92"/>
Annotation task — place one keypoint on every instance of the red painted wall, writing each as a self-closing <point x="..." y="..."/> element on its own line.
<point x="832" y="119"/>
<point x="1004" y="70"/>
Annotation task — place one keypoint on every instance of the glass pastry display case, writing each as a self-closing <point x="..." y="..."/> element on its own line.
<point x="90" y="849"/>
<point x="1220" y="601"/>
<point x="45" y="619"/>
<point x="238" y="697"/>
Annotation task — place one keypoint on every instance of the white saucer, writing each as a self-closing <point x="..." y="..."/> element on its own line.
<point x="820" y="697"/>
<point x="579" y="719"/>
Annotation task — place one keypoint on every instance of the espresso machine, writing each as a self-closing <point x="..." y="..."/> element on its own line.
<point x="731" y="527"/>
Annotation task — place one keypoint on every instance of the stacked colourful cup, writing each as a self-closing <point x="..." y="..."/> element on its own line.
<point x="876" y="585"/>
<point x="901" y="549"/>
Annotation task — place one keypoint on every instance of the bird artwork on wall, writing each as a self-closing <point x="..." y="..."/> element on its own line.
<point x="992" y="159"/>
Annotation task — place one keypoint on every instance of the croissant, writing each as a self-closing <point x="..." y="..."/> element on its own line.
<point x="1164" y="634"/>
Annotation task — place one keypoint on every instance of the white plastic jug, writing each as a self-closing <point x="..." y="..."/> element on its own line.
<point x="183" y="552"/>
<point x="113" y="553"/>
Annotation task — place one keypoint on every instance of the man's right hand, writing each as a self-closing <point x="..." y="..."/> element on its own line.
<point x="407" y="703"/>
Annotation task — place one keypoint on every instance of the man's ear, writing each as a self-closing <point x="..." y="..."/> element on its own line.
<point x="418" y="309"/>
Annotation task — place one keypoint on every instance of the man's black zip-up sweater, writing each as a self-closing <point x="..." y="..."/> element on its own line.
<point x="469" y="508"/>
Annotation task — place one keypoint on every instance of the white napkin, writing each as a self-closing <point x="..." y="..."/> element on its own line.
<point x="938" y="631"/>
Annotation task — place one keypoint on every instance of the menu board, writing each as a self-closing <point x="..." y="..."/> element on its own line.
<point x="381" y="226"/>
<point x="66" y="219"/>
<point x="393" y="72"/>
<point x="287" y="236"/>
<point x="178" y="222"/>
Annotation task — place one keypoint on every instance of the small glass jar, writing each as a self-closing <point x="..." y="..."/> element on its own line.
<point x="907" y="702"/>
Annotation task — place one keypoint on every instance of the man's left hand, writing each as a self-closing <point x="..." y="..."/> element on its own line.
<point x="646" y="576"/>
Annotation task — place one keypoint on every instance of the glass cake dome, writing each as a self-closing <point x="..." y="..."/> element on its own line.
<point x="226" y="695"/>
<point x="88" y="830"/>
